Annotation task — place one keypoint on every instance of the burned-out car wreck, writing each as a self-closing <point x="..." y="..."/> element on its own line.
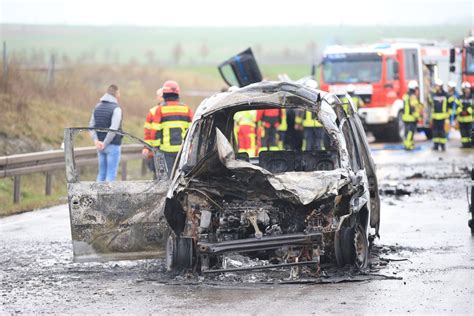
<point x="287" y="208"/>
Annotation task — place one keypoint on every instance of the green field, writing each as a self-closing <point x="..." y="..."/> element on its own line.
<point x="201" y="45"/>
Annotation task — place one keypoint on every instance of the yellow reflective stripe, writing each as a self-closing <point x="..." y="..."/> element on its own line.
<point x="309" y="121"/>
<point x="155" y="126"/>
<point x="174" y="109"/>
<point x="438" y="116"/>
<point x="147" y="125"/>
<point x="170" y="148"/>
<point x="465" y="139"/>
<point x="154" y="142"/>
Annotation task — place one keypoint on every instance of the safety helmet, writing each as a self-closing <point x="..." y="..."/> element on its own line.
<point x="412" y="84"/>
<point x="466" y="85"/>
<point x="350" y="88"/>
<point x="438" y="82"/>
<point x="171" y="86"/>
<point x="451" y="84"/>
<point x="313" y="84"/>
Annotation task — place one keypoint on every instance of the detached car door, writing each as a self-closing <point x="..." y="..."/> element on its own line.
<point x="117" y="220"/>
<point x="241" y="69"/>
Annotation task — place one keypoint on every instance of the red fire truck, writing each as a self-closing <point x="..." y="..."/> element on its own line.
<point x="468" y="59"/>
<point x="380" y="74"/>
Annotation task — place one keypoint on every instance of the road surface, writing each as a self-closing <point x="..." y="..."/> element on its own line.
<point x="427" y="228"/>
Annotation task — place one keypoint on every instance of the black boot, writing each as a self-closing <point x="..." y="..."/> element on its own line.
<point x="435" y="146"/>
<point x="443" y="147"/>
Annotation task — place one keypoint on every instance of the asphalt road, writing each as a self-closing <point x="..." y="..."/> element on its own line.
<point x="426" y="229"/>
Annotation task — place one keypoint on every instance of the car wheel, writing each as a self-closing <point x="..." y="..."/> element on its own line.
<point x="361" y="247"/>
<point x="351" y="247"/>
<point x="179" y="253"/>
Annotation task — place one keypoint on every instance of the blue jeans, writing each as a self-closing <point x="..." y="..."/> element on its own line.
<point x="109" y="159"/>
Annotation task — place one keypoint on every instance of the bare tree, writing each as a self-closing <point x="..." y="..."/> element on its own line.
<point x="150" y="56"/>
<point x="177" y="53"/>
<point x="204" y="51"/>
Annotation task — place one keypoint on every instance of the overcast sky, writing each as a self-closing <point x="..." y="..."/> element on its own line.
<point x="236" y="13"/>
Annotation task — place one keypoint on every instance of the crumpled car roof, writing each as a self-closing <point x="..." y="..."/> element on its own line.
<point x="274" y="93"/>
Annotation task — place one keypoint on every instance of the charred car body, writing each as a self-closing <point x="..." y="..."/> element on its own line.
<point x="287" y="207"/>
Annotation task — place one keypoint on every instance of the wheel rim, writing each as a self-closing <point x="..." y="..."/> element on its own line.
<point x="361" y="248"/>
<point x="170" y="249"/>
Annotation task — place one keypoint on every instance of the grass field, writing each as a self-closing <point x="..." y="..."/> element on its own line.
<point x="202" y="45"/>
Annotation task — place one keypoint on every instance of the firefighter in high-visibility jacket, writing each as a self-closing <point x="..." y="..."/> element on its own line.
<point x="245" y="124"/>
<point x="166" y="124"/>
<point x="439" y="113"/>
<point x="313" y="132"/>
<point x="464" y="114"/>
<point x="270" y="120"/>
<point x="411" y="113"/>
<point x="356" y="100"/>
<point x="282" y="131"/>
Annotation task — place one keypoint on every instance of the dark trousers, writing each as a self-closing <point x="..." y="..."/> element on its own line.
<point x="410" y="129"/>
<point x="169" y="160"/>
<point x="269" y="141"/>
<point x="315" y="138"/>
<point x="465" y="129"/>
<point x="439" y="135"/>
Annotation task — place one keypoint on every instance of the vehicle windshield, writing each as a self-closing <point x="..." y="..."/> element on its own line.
<point x="470" y="61"/>
<point x="352" y="68"/>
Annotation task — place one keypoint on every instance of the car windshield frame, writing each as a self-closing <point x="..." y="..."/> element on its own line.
<point x="202" y="135"/>
<point x="360" y="68"/>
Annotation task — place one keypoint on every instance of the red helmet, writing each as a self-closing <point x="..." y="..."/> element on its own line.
<point x="171" y="86"/>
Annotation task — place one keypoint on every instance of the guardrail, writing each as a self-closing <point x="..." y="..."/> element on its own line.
<point x="48" y="161"/>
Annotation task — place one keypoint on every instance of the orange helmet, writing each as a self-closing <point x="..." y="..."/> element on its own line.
<point x="171" y="86"/>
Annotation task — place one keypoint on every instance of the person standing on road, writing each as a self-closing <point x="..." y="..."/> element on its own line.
<point x="453" y="101"/>
<point x="150" y="130"/>
<point x="411" y="113"/>
<point x="439" y="113"/>
<point x="107" y="114"/>
<point x="356" y="100"/>
<point x="170" y="123"/>
<point x="464" y="114"/>
<point x="270" y="120"/>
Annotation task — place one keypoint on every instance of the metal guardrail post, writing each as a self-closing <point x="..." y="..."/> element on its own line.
<point x="49" y="178"/>
<point x="16" y="189"/>
<point x="124" y="170"/>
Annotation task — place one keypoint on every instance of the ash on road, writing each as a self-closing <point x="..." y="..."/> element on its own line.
<point x="426" y="225"/>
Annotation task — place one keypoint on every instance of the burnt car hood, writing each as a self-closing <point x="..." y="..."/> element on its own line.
<point x="296" y="187"/>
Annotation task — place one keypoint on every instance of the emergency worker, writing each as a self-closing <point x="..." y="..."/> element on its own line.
<point x="439" y="113"/>
<point x="464" y="114"/>
<point x="166" y="124"/>
<point x="411" y="113"/>
<point x="270" y="120"/>
<point x="245" y="124"/>
<point x="356" y="100"/>
<point x="453" y="101"/>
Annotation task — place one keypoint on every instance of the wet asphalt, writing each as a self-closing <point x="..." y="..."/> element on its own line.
<point x="425" y="255"/>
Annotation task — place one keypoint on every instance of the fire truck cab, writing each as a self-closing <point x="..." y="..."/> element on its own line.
<point x="468" y="59"/>
<point x="380" y="74"/>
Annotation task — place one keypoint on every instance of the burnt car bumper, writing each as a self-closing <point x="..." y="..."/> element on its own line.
<point x="264" y="243"/>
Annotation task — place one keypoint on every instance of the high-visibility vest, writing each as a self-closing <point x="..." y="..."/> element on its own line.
<point x="411" y="108"/>
<point x="355" y="99"/>
<point x="464" y="109"/>
<point x="246" y="118"/>
<point x="284" y="125"/>
<point x="310" y="120"/>
<point x="166" y="125"/>
<point x="439" y="106"/>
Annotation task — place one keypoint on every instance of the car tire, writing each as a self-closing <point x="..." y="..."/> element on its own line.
<point x="179" y="253"/>
<point x="396" y="129"/>
<point x="351" y="246"/>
